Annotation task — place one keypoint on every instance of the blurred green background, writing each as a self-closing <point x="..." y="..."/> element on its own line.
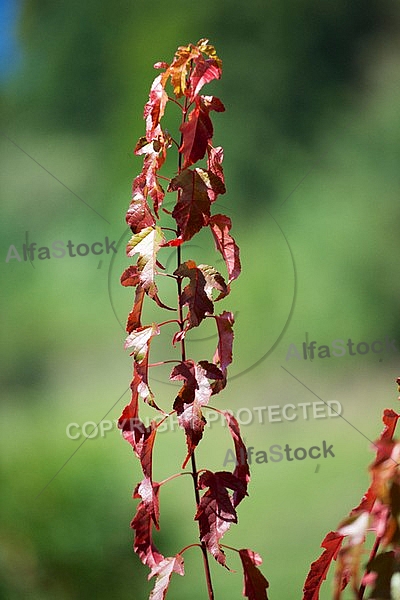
<point x="311" y="135"/>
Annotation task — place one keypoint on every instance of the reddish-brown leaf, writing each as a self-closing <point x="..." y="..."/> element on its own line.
<point x="319" y="568"/>
<point x="242" y="471"/>
<point x="194" y="394"/>
<point x="185" y="371"/>
<point x="143" y="544"/>
<point x="192" y="210"/>
<point x="198" y="130"/>
<point x="138" y="215"/>
<point x="131" y="276"/>
<point x="164" y="570"/>
<point x="147" y="490"/>
<point x="134" y="317"/>
<point x="220" y="226"/>
<point x="223" y="352"/>
<point x="130" y="414"/>
<point x="214" y="165"/>
<point x="194" y="295"/>
<point x="255" y="585"/>
<point x="211" y="370"/>
<point x="216" y="511"/>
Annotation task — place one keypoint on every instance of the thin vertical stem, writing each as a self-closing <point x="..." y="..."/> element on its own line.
<point x="194" y="474"/>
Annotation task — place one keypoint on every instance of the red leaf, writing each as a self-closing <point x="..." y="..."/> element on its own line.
<point x="205" y="70"/>
<point x="220" y="226"/>
<point x="216" y="511"/>
<point x="192" y="211"/>
<point x="143" y="544"/>
<point x="138" y="216"/>
<point x="134" y="316"/>
<point x="198" y="130"/>
<point x="255" y="584"/>
<point x="154" y="109"/>
<point x="151" y="165"/>
<point x="194" y="394"/>
<point x="164" y="572"/>
<point x="320" y="567"/>
<point x="148" y="491"/>
<point x="185" y="371"/>
<point x="193" y="294"/>
<point x="131" y="276"/>
<point x="389" y="418"/>
<point x="242" y="471"/>
<point x="214" y="165"/>
<point x="223" y="352"/>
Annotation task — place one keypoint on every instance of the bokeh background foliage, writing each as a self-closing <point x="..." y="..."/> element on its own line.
<point x="312" y="140"/>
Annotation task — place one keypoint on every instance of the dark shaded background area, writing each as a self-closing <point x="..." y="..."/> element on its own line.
<point x="311" y="135"/>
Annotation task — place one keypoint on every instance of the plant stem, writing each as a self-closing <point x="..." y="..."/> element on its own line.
<point x="194" y="473"/>
<point x="193" y="458"/>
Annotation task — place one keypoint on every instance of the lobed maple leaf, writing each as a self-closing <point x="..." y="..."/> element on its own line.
<point x="192" y="211"/>
<point x="220" y="226"/>
<point x="194" y="295"/>
<point x="242" y="470"/>
<point x="255" y="585"/>
<point x="194" y="394"/>
<point x="147" y="243"/>
<point x="163" y="571"/>
<point x="197" y="131"/>
<point x="216" y="511"/>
